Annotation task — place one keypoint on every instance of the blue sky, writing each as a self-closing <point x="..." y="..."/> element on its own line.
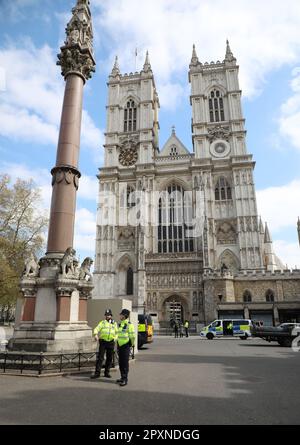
<point x="264" y="37"/>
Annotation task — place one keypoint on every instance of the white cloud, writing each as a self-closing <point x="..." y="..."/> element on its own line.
<point x="32" y="101"/>
<point x="289" y="253"/>
<point x="279" y="205"/>
<point x="263" y="36"/>
<point x="88" y="188"/>
<point x="85" y="231"/>
<point x="290" y="112"/>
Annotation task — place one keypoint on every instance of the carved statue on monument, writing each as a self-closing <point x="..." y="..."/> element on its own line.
<point x="69" y="262"/>
<point x="84" y="273"/>
<point x="31" y="266"/>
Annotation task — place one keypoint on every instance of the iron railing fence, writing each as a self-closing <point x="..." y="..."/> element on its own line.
<point x="43" y="363"/>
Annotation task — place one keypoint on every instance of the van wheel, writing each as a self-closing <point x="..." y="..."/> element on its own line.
<point x="244" y="337"/>
<point x="209" y="336"/>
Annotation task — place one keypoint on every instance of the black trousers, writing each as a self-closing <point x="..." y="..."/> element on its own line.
<point x="124" y="352"/>
<point x="108" y="348"/>
<point x="186" y="332"/>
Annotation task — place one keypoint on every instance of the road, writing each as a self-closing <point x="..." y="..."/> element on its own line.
<point x="174" y="381"/>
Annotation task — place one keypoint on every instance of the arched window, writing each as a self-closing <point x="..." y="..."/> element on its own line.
<point x="130" y="198"/>
<point x="127" y="197"/>
<point x="247" y="297"/>
<point x="130" y="114"/>
<point x="270" y="296"/>
<point x="174" y="221"/>
<point x="129" y="281"/>
<point x="216" y="106"/>
<point x="173" y="151"/>
<point x="222" y="190"/>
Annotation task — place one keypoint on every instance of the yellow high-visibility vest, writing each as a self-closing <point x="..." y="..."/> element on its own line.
<point x="126" y="333"/>
<point x="106" y="331"/>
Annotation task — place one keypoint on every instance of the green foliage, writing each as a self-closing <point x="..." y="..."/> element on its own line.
<point x="22" y="224"/>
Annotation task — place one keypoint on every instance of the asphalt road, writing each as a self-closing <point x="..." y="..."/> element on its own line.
<point x="175" y="381"/>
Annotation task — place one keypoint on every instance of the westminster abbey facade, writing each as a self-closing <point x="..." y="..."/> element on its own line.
<point x="178" y="231"/>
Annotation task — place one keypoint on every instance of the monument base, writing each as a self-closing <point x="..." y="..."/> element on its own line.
<point x="52" y="337"/>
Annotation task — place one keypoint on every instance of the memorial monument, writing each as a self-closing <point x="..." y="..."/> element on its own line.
<point x="53" y="312"/>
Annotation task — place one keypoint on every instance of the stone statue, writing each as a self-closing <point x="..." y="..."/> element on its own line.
<point x="31" y="266"/>
<point x="69" y="262"/>
<point x="85" y="269"/>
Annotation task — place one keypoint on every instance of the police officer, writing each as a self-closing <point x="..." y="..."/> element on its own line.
<point x="126" y="338"/>
<point x="186" y="327"/>
<point x="106" y="333"/>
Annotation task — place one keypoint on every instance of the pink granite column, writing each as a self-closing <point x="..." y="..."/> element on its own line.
<point x="65" y="173"/>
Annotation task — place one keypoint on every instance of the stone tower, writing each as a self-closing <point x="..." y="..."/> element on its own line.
<point x="131" y="145"/>
<point x="226" y="169"/>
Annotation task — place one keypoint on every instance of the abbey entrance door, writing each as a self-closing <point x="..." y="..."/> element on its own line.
<point x="174" y="311"/>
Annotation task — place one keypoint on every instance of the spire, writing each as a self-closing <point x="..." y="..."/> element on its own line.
<point x="267" y="238"/>
<point x="229" y="55"/>
<point x="116" y="69"/>
<point x="147" y="66"/>
<point x="261" y="227"/>
<point x="173" y="129"/>
<point x="194" y="59"/>
<point x="298" y="228"/>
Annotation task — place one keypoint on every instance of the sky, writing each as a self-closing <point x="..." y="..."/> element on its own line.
<point x="264" y="37"/>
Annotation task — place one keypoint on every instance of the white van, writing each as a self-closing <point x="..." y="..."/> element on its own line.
<point x="227" y="327"/>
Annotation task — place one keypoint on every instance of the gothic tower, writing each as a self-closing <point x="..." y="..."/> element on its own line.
<point x="131" y="145"/>
<point x="221" y="159"/>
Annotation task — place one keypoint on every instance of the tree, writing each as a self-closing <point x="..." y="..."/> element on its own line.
<point x="22" y="226"/>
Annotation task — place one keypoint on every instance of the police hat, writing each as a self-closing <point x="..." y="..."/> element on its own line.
<point x="125" y="312"/>
<point x="108" y="312"/>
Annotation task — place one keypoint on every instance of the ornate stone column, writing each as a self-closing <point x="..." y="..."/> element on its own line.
<point x="77" y="64"/>
<point x="56" y="289"/>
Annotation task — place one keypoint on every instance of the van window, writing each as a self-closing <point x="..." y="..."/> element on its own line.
<point x="239" y="322"/>
<point x="216" y="324"/>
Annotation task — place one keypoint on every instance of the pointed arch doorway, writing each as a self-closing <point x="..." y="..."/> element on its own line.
<point x="174" y="309"/>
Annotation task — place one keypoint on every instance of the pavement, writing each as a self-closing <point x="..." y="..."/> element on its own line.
<point x="188" y="381"/>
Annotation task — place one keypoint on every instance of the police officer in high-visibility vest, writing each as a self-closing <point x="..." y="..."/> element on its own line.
<point x="126" y="339"/>
<point x="186" y="327"/>
<point x="106" y="333"/>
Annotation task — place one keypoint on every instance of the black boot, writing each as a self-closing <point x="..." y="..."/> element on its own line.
<point x="95" y="376"/>
<point x="107" y="375"/>
<point x="123" y="383"/>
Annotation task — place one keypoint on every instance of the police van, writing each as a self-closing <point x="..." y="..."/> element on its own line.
<point x="145" y="330"/>
<point x="227" y="327"/>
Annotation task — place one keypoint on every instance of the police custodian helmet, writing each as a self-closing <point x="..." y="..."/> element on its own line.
<point x="125" y="312"/>
<point x="108" y="312"/>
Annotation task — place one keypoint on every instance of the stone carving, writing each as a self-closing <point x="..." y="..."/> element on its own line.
<point x="218" y="132"/>
<point x="226" y="232"/>
<point x="67" y="174"/>
<point x="84" y="272"/>
<point x="69" y="263"/>
<point x="31" y="266"/>
<point x="126" y="233"/>
<point x="76" y="55"/>
<point x="228" y="262"/>
<point x="72" y="60"/>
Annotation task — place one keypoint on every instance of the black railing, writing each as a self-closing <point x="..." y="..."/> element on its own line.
<point x="40" y="363"/>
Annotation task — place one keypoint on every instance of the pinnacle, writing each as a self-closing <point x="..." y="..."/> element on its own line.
<point x="194" y="60"/>
<point x="267" y="238"/>
<point x="116" y="69"/>
<point x="147" y="65"/>
<point x="229" y="57"/>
